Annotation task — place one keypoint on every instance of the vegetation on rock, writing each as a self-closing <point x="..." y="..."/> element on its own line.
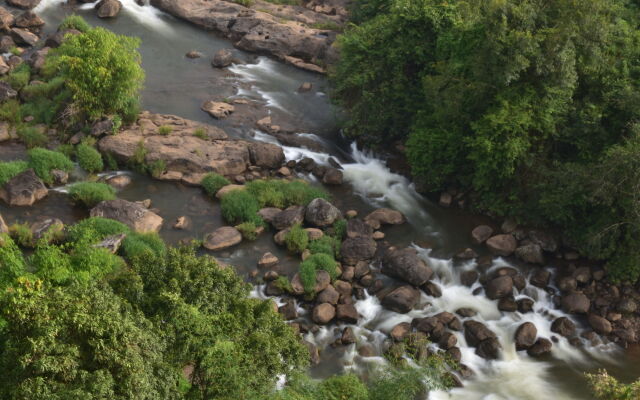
<point x="91" y="193"/>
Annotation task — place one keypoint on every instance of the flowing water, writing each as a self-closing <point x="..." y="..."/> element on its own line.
<point x="177" y="85"/>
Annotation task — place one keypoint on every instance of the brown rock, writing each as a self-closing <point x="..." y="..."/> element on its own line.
<point x="563" y="326"/>
<point x="218" y="110"/>
<point x="525" y="336"/>
<point x="23" y="189"/>
<point x="323" y="313"/>
<point x="575" y="303"/>
<point x="28" y="19"/>
<point x="347" y="313"/>
<point x="540" y="348"/>
<point x="329" y="295"/>
<point x="129" y="213"/>
<point x="384" y="216"/>
<point x="222" y="238"/>
<point x="502" y="245"/>
<point x="400" y="331"/>
<point x="481" y="233"/>
<point x="499" y="287"/>
<point x="6" y="20"/>
<point x="25" y="4"/>
<point x="348" y="337"/>
<point x="24" y="37"/>
<point x="599" y="324"/>
<point x="222" y="59"/>
<point x="119" y="181"/>
<point x="401" y="299"/>
<point x="267" y="260"/>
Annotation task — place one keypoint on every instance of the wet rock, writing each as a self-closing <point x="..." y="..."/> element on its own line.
<point x="575" y="303"/>
<point x="288" y="310"/>
<point x="269" y="213"/>
<point x="348" y="273"/>
<point x="280" y="237"/>
<point x="432" y="289"/>
<point x="218" y="109"/>
<point x="314" y="355"/>
<point x="266" y="155"/>
<point x="489" y="349"/>
<point x="627" y="306"/>
<point x="288" y="218"/>
<point x="323" y="280"/>
<point x="321" y="213"/>
<point x="432" y="326"/>
<point x="508" y="226"/>
<point x="344" y="288"/>
<point x="24" y="37"/>
<point x="23" y="189"/>
<point x="525" y="336"/>
<point x="499" y="287"/>
<point x="305" y="87"/>
<point x="271" y="276"/>
<point x="25" y="4"/>
<point x="329" y="295"/>
<point x="540" y="278"/>
<point x="545" y="240"/>
<point x="541" y="348"/>
<point x="455" y="354"/>
<point x="445" y="199"/>
<point x="347" y="313"/>
<point x="476" y="332"/>
<point x="129" y="213"/>
<point x="230" y="188"/>
<point x="384" y="216"/>
<point x="6" y="92"/>
<point x="222" y="59"/>
<point x="563" y="326"/>
<point x="6" y="44"/>
<point x="406" y="265"/>
<point x="357" y="249"/>
<point x="400" y="331"/>
<point x="348" y="337"/>
<point x="357" y="228"/>
<point x="193" y="54"/>
<point x="6" y="20"/>
<point x="507" y="304"/>
<point x="323" y="313"/>
<point x="27" y="19"/>
<point x="332" y="176"/>
<point x="366" y="351"/>
<point x="525" y="305"/>
<point x="582" y="275"/>
<point x="466" y="254"/>
<point x="468" y="278"/>
<point x="361" y="269"/>
<point x="447" y="340"/>
<point x="222" y="238"/>
<point x="267" y="260"/>
<point x="530" y="253"/>
<point x="627" y="335"/>
<point x="599" y="324"/>
<point x="108" y="8"/>
<point x="466" y="312"/>
<point x="502" y="245"/>
<point x="481" y="233"/>
<point x="402" y="299"/>
<point x="119" y="181"/>
<point x="46" y="226"/>
<point x="567" y="284"/>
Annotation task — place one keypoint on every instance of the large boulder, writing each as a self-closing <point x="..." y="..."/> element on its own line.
<point x="323" y="281"/>
<point x="25" y="4"/>
<point x="266" y="155"/>
<point x="541" y="348"/>
<point x="525" y="336"/>
<point x="502" y="245"/>
<point x="288" y="218"/>
<point x="489" y="349"/>
<point x="530" y="253"/>
<point x="353" y="250"/>
<point x="268" y="213"/>
<point x="406" y="265"/>
<point x="323" y="313"/>
<point x="218" y="109"/>
<point x="401" y="299"/>
<point x="223" y="58"/>
<point x="575" y="303"/>
<point x="6" y="19"/>
<point x="108" y="8"/>
<point x="476" y="332"/>
<point x="384" y="216"/>
<point x="129" y="213"/>
<point x="28" y="19"/>
<point x="563" y="326"/>
<point x="321" y="213"/>
<point x="329" y="295"/>
<point x="332" y="176"/>
<point x="481" y="233"/>
<point x="357" y="228"/>
<point x="222" y="238"/>
<point x="347" y="313"/>
<point x="23" y="189"/>
<point x="599" y="324"/>
<point x="499" y="287"/>
<point x="540" y="278"/>
<point x="24" y="37"/>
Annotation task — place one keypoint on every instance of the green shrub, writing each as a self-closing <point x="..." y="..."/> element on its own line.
<point x="213" y="182"/>
<point x="606" y="387"/>
<point x="92" y="263"/>
<point x="281" y="193"/>
<point x="21" y="234"/>
<point x="314" y="263"/>
<point x="164" y="130"/>
<point x="19" y="77"/>
<point x="10" y="169"/>
<point x="283" y="283"/>
<point x="112" y="163"/>
<point x="74" y="21"/>
<point x="12" y="263"/>
<point x="43" y="161"/>
<point x="102" y="70"/>
<point x="325" y="245"/>
<point x="90" y="194"/>
<point x="32" y="137"/>
<point x="10" y="111"/>
<point x="342" y="387"/>
<point x="138" y="244"/>
<point x="296" y="239"/>
<point x="340" y="229"/>
<point x="51" y="264"/>
<point x="139" y="154"/>
<point x="248" y="230"/>
<point x="308" y="276"/>
<point x="239" y="206"/>
<point x="89" y="158"/>
<point x="95" y="229"/>
<point x="67" y="149"/>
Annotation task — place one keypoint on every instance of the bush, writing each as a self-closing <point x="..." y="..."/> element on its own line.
<point x="325" y="245"/>
<point x="282" y="194"/>
<point x="296" y="239"/>
<point x="51" y="264"/>
<point x="22" y="234"/>
<point x="213" y="182"/>
<point x="19" y="77"/>
<point x="248" y="230"/>
<point x="67" y="149"/>
<point x="32" y="137"/>
<point x="314" y="263"/>
<point x="95" y="229"/>
<point x="12" y="263"/>
<point x="91" y="193"/>
<point x="10" y="169"/>
<point x="139" y="244"/>
<point x="43" y="161"/>
<point x="239" y="206"/>
<point x="92" y="263"/>
<point x="606" y="387"/>
<point x="10" y="111"/>
<point x="74" y="22"/>
<point x="102" y="70"/>
<point x="89" y="158"/>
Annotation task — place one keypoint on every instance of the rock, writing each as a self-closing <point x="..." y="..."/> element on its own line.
<point x="271" y="276"/>
<point x="502" y="245"/>
<point x="351" y="214"/>
<point x="582" y="275"/>
<point x="288" y="218"/>
<point x="27" y="19"/>
<point x="112" y="243"/>
<point x="24" y="4"/>
<point x="432" y="326"/>
<point x="599" y="324"/>
<point x="563" y="326"/>
<point x="329" y="295"/>
<point x="4" y="69"/>
<point x="575" y="303"/>
<point x="466" y="254"/>
<point x="229" y="188"/>
<point x="400" y="331"/>
<point x="357" y="228"/>
<point x="314" y="355"/>
<point x="284" y="171"/>
<point x="401" y="299"/>
<point x="218" y="109"/>
<point x="119" y="181"/>
<point x="314" y="233"/>
<point x="6" y="44"/>
<point x="525" y="305"/>
<point x="222" y="238"/>
<point x="499" y="287"/>
<point x="406" y="265"/>
<point x="455" y="354"/>
<point x="268" y="260"/>
<point x="6" y="20"/>
<point x="366" y="351"/>
<point x="348" y="337"/>
<point x="6" y="92"/>
<point x="24" y="37"/>
<point x="507" y="304"/>
<point x="545" y="240"/>
<point x="466" y="312"/>
<point x="46" y="226"/>
<point x="627" y="306"/>
<point x="348" y="273"/>
<point x="23" y="189"/>
<point x="102" y="127"/>
<point x="540" y="278"/>
<point x="530" y="253"/>
<point x="377" y="235"/>
<point x="489" y="349"/>
<point x="476" y="332"/>
<point x="525" y="336"/>
<point x="353" y="250"/>
<point x="129" y="213"/>
<point x="567" y="284"/>
<point x="280" y="237"/>
<point x="481" y="233"/>
<point x="323" y="313"/>
<point x="193" y="54"/>
<point x="384" y="216"/>
<point x="305" y="87"/>
<point x="108" y="8"/>
<point x="445" y="199"/>
<point x="266" y="155"/>
<point x="347" y="313"/>
<point x="447" y="341"/>
<point x="468" y="278"/>
<point x="288" y="310"/>
<point x="540" y="348"/>
<point x="508" y="226"/>
<point x="182" y="223"/>
<point x="3" y="226"/>
<point x="269" y="213"/>
<point x="60" y="177"/>
<point x="321" y="213"/>
<point x="222" y="59"/>
<point x="332" y="176"/>
<point x="432" y="289"/>
<point x="323" y="280"/>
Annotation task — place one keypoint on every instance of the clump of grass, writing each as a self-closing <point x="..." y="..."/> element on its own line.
<point x="156" y="168"/>
<point x="43" y="161"/>
<point x="246" y="3"/>
<point x="282" y="193"/>
<point x="325" y="245"/>
<point x="317" y="262"/>
<point x="112" y="163"/>
<point x="32" y="137"/>
<point x="67" y="149"/>
<point x="76" y="22"/>
<point x="91" y="193"/>
<point x="21" y="234"/>
<point x="95" y="229"/>
<point x="200" y="133"/>
<point x="340" y="229"/>
<point x="248" y="230"/>
<point x="283" y="283"/>
<point x="213" y="182"/>
<point x="10" y="169"/>
<point x="239" y="206"/>
<point x="89" y="158"/>
<point x="138" y="244"/>
<point x="19" y="77"/>
<point x="296" y="239"/>
<point x="139" y="154"/>
<point x="165" y="130"/>
<point x="10" y="111"/>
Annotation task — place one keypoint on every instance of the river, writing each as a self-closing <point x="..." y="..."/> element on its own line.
<point x="178" y="85"/>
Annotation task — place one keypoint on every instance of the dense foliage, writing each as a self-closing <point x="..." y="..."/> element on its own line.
<point x="606" y="387"/>
<point x="91" y="193"/>
<point x="530" y="106"/>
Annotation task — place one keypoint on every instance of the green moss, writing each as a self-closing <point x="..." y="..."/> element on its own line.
<point x="325" y="245"/>
<point x="43" y="161"/>
<point x="90" y="194"/>
<point x="89" y="158"/>
<point x="213" y="182"/>
<point x="10" y="169"/>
